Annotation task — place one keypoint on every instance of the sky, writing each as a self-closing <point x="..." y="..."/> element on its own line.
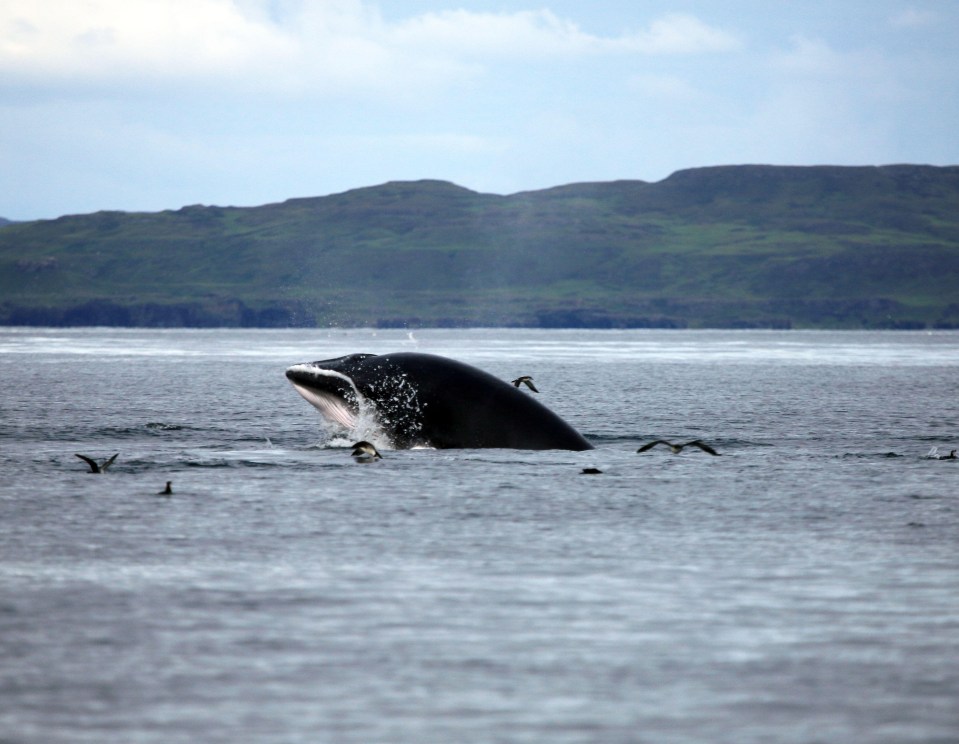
<point x="145" y="105"/>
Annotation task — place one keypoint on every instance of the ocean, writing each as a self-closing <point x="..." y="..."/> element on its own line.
<point x="801" y="587"/>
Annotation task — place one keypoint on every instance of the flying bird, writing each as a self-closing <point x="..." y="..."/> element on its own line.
<point x="96" y="467"/>
<point x="677" y="448"/>
<point x="527" y="381"/>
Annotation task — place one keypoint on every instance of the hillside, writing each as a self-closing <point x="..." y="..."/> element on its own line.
<point x="734" y="246"/>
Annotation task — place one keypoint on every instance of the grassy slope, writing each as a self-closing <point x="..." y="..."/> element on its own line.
<point x="715" y="246"/>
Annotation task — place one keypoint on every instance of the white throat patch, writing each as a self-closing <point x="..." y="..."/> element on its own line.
<point x="331" y="406"/>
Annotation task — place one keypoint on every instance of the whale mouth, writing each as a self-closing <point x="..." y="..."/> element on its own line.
<point x="331" y="393"/>
<point x="330" y="405"/>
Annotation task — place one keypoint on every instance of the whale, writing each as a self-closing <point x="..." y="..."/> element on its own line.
<point x="425" y="400"/>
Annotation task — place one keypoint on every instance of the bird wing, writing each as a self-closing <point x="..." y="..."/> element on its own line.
<point x="702" y="446"/>
<point x="653" y="444"/>
<point x="94" y="468"/>
<point x="525" y="380"/>
<point x="108" y="463"/>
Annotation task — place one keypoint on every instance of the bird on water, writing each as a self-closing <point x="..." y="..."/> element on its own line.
<point x="365" y="452"/>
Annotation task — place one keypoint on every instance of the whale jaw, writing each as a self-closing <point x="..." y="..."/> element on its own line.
<point x="331" y="393"/>
<point x="332" y="406"/>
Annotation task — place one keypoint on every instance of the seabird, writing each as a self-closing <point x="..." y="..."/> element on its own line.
<point x="365" y="452"/>
<point x="950" y="456"/>
<point x="166" y="491"/>
<point x="527" y="381"/>
<point x="592" y="471"/>
<point x="677" y="448"/>
<point x="96" y="467"/>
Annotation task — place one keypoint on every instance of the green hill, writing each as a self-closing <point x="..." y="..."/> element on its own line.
<point x="736" y="246"/>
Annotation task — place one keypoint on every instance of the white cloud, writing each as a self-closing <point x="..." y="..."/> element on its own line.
<point x="537" y="33"/>
<point x="857" y="76"/>
<point x="520" y="34"/>
<point x="682" y="34"/>
<point x="807" y="57"/>
<point x="114" y="38"/>
<point x="292" y="47"/>
<point x="825" y="105"/>
<point x="914" y="18"/>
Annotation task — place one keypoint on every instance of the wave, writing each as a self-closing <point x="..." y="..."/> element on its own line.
<point x="871" y="455"/>
<point x="222" y="462"/>
<point x="160" y="426"/>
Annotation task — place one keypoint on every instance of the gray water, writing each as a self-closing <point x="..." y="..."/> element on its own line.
<point x="802" y="587"/>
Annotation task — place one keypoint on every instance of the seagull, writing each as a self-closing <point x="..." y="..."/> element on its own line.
<point x="96" y="467"/>
<point x="168" y="491"/>
<point x="677" y="448"/>
<point x="365" y="452"/>
<point x="527" y="381"/>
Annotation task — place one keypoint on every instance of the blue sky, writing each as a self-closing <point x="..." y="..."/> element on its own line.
<point x="156" y="104"/>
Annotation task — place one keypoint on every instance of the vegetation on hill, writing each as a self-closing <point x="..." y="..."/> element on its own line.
<point x="736" y="246"/>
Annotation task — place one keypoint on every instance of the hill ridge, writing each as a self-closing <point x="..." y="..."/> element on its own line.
<point x="721" y="246"/>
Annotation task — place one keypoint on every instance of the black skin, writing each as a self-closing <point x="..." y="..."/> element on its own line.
<point x="423" y="399"/>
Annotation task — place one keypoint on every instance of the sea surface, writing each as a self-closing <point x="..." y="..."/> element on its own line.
<point x="801" y="587"/>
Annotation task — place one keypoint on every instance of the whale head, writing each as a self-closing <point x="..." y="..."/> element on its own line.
<point x="346" y="388"/>
<point x="328" y="387"/>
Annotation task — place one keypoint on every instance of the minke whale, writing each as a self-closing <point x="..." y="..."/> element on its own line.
<point x="424" y="400"/>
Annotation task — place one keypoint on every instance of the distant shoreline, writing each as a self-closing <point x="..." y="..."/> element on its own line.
<point x="721" y="247"/>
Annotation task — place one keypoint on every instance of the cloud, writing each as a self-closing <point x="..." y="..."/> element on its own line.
<point x="807" y="57"/>
<point x="538" y="33"/>
<point x="115" y="39"/>
<point x="913" y="18"/>
<point x="497" y="35"/>
<point x="287" y="47"/>
<point x="821" y="104"/>
<point x="817" y="68"/>
<point x="682" y="34"/>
